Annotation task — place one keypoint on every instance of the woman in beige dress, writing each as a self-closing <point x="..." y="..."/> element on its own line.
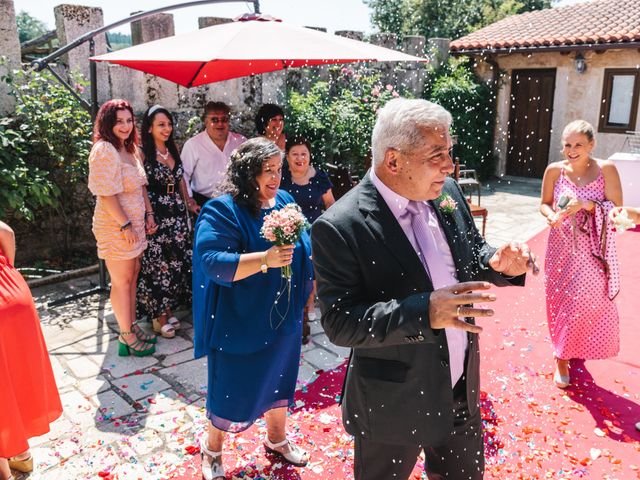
<point x="122" y="216"/>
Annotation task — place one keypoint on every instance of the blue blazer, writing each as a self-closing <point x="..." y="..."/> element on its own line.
<point x="241" y="317"/>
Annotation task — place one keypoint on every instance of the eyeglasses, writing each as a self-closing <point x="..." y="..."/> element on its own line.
<point x="436" y="158"/>
<point x="216" y="120"/>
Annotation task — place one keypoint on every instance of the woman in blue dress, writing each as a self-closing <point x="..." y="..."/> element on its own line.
<point x="246" y="320"/>
<point x="311" y="188"/>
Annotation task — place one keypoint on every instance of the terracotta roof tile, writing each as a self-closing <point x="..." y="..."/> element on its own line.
<point x="599" y="21"/>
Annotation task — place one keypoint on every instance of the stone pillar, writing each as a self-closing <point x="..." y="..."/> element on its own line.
<point x="385" y="39"/>
<point x="353" y="34"/>
<point x="204" y="22"/>
<point x="156" y="90"/>
<point x="319" y="29"/>
<point x="387" y="70"/>
<point x="438" y="51"/>
<point x="415" y="73"/>
<point x="10" y="50"/>
<point x="151" y="28"/>
<point x="72" y="21"/>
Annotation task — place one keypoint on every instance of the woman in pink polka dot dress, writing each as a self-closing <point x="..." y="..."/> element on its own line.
<point x="581" y="270"/>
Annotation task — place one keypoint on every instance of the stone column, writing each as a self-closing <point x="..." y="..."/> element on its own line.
<point x="387" y="69"/>
<point x="353" y="34"/>
<point x="155" y="90"/>
<point x="204" y="22"/>
<point x="72" y="21"/>
<point x="10" y="50"/>
<point x="415" y="73"/>
<point x="438" y="51"/>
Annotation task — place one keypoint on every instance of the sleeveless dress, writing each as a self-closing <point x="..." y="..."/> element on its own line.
<point x="108" y="175"/>
<point x="583" y="320"/>
<point x="308" y="196"/>
<point x="29" y="399"/>
<point x="165" y="274"/>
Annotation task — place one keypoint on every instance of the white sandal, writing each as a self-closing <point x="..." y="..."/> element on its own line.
<point x="173" y="321"/>
<point x="166" y="330"/>
<point x="289" y="451"/>
<point x="212" y="468"/>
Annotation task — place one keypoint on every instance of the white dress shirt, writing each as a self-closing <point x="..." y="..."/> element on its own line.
<point x="205" y="165"/>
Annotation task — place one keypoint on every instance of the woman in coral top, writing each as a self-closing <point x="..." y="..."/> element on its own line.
<point x="29" y="399"/>
<point x="122" y="216"/>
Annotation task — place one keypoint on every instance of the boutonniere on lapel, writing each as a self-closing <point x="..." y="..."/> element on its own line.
<point x="446" y="204"/>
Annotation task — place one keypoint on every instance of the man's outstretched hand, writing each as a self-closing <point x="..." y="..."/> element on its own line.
<point x="447" y="304"/>
<point x="514" y="259"/>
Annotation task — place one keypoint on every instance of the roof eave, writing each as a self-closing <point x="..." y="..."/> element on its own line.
<point x="546" y="48"/>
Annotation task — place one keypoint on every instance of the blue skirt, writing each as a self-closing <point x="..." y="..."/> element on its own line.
<point x="242" y="387"/>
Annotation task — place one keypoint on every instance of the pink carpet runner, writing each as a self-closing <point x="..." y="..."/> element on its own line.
<point x="533" y="429"/>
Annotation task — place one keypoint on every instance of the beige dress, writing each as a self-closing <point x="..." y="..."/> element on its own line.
<point x="109" y="175"/>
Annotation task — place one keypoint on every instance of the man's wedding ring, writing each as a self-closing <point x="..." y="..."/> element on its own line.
<point x="458" y="314"/>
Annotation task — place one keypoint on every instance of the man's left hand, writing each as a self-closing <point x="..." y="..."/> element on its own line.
<point x="514" y="259"/>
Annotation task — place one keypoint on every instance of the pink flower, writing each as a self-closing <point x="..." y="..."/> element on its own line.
<point x="389" y="87"/>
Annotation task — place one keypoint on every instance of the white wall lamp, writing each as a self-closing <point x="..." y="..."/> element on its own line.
<point x="580" y="63"/>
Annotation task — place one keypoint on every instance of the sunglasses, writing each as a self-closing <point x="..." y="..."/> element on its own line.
<point x="216" y="120"/>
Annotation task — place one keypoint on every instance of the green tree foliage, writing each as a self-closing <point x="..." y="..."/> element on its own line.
<point x="471" y="103"/>
<point x="45" y="146"/>
<point x="29" y="27"/>
<point x="444" y="18"/>
<point x="337" y="117"/>
<point x="118" y="40"/>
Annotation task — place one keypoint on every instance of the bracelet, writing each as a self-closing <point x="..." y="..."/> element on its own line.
<point x="125" y="226"/>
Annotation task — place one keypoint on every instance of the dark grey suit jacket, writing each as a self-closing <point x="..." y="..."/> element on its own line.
<point x="374" y="297"/>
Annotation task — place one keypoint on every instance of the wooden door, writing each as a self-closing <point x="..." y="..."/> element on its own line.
<point x="530" y="115"/>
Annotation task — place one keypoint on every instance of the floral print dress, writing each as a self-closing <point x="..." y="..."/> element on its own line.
<point x="165" y="274"/>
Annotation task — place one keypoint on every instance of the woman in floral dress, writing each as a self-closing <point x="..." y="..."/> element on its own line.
<point x="165" y="276"/>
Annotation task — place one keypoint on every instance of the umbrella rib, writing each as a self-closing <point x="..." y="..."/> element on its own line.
<point x="195" y="75"/>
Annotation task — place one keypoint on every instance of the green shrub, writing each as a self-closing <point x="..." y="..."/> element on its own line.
<point x="337" y="117"/>
<point x="471" y="103"/>
<point x="43" y="159"/>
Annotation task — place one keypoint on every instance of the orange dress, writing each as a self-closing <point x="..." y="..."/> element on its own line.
<point x="108" y="175"/>
<point x="29" y="399"/>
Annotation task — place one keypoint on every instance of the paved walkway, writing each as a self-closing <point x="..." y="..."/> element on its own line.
<point x="133" y="417"/>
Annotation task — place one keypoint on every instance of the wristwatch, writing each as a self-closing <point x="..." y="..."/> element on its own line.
<point x="263" y="264"/>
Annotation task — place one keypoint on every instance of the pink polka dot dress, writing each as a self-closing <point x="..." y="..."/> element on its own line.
<point x="583" y="321"/>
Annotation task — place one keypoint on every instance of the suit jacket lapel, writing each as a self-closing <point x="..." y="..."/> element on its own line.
<point x="386" y="228"/>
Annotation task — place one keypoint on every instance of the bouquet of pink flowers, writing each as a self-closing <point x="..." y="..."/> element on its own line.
<point x="284" y="227"/>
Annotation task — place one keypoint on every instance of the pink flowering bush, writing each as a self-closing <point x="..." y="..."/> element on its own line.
<point x="338" y="116"/>
<point x="284" y="227"/>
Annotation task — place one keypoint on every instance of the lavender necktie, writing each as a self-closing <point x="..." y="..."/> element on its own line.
<point x="424" y="223"/>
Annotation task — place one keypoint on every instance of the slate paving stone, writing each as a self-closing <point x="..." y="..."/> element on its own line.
<point x="192" y="374"/>
<point x="90" y="387"/>
<point x="112" y="405"/>
<point x="140" y="386"/>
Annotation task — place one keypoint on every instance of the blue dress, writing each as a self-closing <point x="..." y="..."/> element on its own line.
<point x="252" y="342"/>
<point x="308" y="196"/>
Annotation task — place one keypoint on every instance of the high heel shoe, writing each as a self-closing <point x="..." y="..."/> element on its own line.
<point x="212" y="468"/>
<point x="25" y="465"/>
<point x="137" y="348"/>
<point x="166" y="330"/>
<point x="174" y="322"/>
<point x="142" y="335"/>
<point x="561" y="381"/>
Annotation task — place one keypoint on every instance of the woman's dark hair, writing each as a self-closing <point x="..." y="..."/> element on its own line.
<point x="265" y="113"/>
<point x="245" y="166"/>
<point x="106" y="120"/>
<point x="148" y="143"/>
<point x="297" y="140"/>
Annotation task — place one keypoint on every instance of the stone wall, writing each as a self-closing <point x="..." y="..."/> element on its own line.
<point x="9" y="49"/>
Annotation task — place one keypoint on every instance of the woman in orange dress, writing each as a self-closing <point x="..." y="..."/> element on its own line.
<point x="122" y="216"/>
<point x="29" y="399"/>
